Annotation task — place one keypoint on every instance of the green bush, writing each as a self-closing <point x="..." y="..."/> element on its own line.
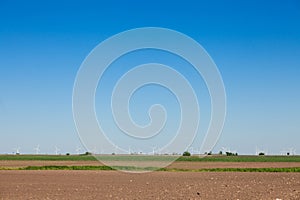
<point x="231" y="154"/>
<point x="186" y="153"/>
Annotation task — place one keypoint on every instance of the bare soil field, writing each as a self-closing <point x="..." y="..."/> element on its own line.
<point x="19" y="184"/>
<point x="178" y="165"/>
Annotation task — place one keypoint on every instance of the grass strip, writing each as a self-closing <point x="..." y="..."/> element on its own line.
<point x="291" y="169"/>
<point x="54" y="167"/>
<point x="240" y="159"/>
<point x="49" y="157"/>
<point x="9" y="168"/>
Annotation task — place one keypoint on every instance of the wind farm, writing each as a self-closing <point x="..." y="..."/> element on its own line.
<point x="121" y="100"/>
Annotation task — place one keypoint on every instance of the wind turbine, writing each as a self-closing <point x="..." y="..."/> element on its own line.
<point x="225" y="149"/>
<point x="153" y="150"/>
<point x="140" y="151"/>
<point x="258" y="151"/>
<point x="158" y="151"/>
<point x="101" y="151"/>
<point x="191" y="149"/>
<point x="234" y="151"/>
<point x="196" y="151"/>
<point x="115" y="149"/>
<point x="266" y="151"/>
<point x="56" y="150"/>
<point x="94" y="151"/>
<point x="292" y="151"/>
<point x="129" y="150"/>
<point x="283" y="152"/>
<point x="78" y="149"/>
<point x="17" y="149"/>
<point x="37" y="149"/>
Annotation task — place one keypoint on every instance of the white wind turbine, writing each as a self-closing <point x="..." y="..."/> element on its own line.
<point x="101" y="151"/>
<point x="140" y="151"/>
<point x="114" y="149"/>
<point x="78" y="149"/>
<point x="266" y="151"/>
<point x="37" y="149"/>
<point x="17" y="149"/>
<point x="292" y="151"/>
<point x="191" y="150"/>
<point x="284" y="152"/>
<point x="153" y="150"/>
<point x="129" y="150"/>
<point x="159" y="151"/>
<point x="56" y="150"/>
<point x="258" y="151"/>
<point x="94" y="150"/>
<point x="196" y="151"/>
<point x="225" y="149"/>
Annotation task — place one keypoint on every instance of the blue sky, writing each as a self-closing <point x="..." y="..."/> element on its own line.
<point x="255" y="44"/>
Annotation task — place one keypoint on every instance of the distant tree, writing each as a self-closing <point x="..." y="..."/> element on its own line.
<point x="288" y="153"/>
<point x="261" y="154"/>
<point x="231" y="154"/>
<point x="209" y="153"/>
<point x="186" y="153"/>
<point x="67" y="154"/>
<point x="220" y="152"/>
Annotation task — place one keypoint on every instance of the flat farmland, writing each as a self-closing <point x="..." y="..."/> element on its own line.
<point x="175" y="165"/>
<point x="50" y="177"/>
<point x="182" y="163"/>
<point x="85" y="184"/>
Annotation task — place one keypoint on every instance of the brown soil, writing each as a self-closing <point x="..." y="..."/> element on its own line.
<point x="179" y="165"/>
<point x="155" y="185"/>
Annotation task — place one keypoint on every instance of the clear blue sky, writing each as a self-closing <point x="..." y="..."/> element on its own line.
<point x="255" y="44"/>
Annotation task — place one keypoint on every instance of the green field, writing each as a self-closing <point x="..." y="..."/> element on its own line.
<point x="242" y="159"/>
<point x="49" y="157"/>
<point x="153" y="158"/>
<point x="213" y="158"/>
